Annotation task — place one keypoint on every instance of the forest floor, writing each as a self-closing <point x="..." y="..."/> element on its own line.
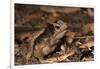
<point x="53" y="34"/>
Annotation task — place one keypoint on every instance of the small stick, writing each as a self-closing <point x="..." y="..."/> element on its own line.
<point x="83" y="37"/>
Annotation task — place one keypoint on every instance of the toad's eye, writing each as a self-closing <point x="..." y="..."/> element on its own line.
<point x="57" y="27"/>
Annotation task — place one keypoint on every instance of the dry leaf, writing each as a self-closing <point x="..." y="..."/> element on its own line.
<point x="87" y="45"/>
<point x="88" y="28"/>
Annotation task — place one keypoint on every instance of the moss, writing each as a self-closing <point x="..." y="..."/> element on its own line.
<point x="38" y="26"/>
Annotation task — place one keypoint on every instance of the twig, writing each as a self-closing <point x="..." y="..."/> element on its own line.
<point x="83" y="37"/>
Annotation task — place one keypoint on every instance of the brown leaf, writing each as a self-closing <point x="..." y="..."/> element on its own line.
<point x="88" y="28"/>
<point x="87" y="45"/>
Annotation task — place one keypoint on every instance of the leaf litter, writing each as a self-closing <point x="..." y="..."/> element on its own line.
<point x="53" y="34"/>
